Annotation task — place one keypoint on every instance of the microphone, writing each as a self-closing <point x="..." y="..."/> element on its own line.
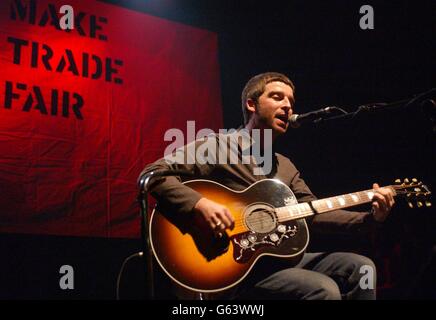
<point x="296" y="120"/>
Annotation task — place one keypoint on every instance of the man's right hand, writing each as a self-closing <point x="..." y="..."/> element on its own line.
<point x="216" y="215"/>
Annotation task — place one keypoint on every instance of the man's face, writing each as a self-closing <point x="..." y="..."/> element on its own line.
<point x="274" y="107"/>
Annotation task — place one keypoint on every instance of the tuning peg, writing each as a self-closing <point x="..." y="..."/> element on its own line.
<point x="410" y="205"/>
<point x="428" y="204"/>
<point x="417" y="189"/>
<point x="415" y="180"/>
<point x="406" y="180"/>
<point x="419" y="204"/>
<point x="398" y="181"/>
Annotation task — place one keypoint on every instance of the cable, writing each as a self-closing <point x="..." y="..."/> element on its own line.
<point x="137" y="254"/>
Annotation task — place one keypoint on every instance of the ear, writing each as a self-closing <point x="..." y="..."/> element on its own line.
<point x="250" y="105"/>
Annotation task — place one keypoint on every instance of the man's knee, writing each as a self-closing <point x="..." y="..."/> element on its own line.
<point x="330" y="290"/>
<point x="367" y="272"/>
<point x="362" y="274"/>
<point x="364" y="279"/>
<point x="359" y="263"/>
<point x="322" y="288"/>
<point x="327" y="290"/>
<point x="295" y="283"/>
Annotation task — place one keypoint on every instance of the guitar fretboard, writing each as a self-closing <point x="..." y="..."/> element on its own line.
<point x="306" y="209"/>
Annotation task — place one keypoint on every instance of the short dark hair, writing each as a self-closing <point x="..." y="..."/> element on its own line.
<point x="255" y="87"/>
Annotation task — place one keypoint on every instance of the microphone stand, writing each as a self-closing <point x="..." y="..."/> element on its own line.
<point x="423" y="99"/>
<point x="144" y="183"/>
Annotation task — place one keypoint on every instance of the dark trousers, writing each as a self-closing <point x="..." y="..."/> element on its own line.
<point x="318" y="276"/>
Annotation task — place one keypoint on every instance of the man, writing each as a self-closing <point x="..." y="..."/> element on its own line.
<point x="267" y="104"/>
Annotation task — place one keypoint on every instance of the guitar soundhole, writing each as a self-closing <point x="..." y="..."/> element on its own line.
<point x="260" y="218"/>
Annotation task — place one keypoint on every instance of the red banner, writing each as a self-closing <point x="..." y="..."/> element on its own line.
<point x="82" y="111"/>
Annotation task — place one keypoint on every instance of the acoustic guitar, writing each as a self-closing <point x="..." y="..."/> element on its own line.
<point x="268" y="221"/>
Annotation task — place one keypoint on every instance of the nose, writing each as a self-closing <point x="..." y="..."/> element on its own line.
<point x="287" y="107"/>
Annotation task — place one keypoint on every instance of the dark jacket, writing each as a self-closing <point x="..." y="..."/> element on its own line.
<point x="173" y="195"/>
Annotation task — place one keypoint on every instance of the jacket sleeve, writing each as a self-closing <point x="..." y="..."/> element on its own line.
<point x="337" y="221"/>
<point x="169" y="191"/>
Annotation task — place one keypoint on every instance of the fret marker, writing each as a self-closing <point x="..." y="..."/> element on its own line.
<point x="370" y="195"/>
<point x="341" y="201"/>
<point x="306" y="208"/>
<point x="298" y="208"/>
<point x="355" y="198"/>
<point x="329" y="204"/>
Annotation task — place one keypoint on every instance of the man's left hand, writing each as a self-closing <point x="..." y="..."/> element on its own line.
<point x="382" y="202"/>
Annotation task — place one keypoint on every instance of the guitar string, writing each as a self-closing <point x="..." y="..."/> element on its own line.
<point x="301" y="213"/>
<point x="240" y="224"/>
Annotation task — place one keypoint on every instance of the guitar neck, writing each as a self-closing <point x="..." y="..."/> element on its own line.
<point x="306" y="209"/>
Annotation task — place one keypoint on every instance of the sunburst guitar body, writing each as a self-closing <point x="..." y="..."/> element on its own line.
<point x="268" y="221"/>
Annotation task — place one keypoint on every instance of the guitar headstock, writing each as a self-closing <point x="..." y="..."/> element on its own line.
<point x="414" y="191"/>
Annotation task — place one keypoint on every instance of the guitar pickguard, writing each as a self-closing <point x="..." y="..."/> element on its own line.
<point x="247" y="244"/>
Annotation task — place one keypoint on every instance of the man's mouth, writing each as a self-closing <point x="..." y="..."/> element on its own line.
<point x="283" y="118"/>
